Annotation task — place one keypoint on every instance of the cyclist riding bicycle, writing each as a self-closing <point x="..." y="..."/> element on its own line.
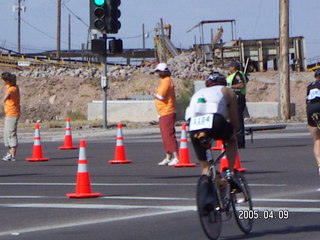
<point x="221" y="103"/>
<point x="313" y="114"/>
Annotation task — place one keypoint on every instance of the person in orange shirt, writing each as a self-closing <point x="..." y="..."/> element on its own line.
<point x="165" y="101"/>
<point x="11" y="102"/>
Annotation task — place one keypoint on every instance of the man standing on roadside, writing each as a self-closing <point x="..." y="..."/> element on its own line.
<point x="237" y="81"/>
<point x="166" y="107"/>
<point x="11" y="102"/>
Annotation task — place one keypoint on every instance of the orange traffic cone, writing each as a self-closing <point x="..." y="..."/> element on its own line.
<point x="68" y="137"/>
<point x="219" y="145"/>
<point x="83" y="188"/>
<point x="37" y="148"/>
<point x="120" y="152"/>
<point x="224" y="164"/>
<point x="237" y="164"/>
<point x="184" y="158"/>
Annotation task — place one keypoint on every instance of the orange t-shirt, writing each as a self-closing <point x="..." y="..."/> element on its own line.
<point x="12" y="104"/>
<point x="165" y="97"/>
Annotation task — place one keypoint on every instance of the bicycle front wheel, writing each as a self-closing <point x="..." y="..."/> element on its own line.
<point x="207" y="203"/>
<point x="242" y="205"/>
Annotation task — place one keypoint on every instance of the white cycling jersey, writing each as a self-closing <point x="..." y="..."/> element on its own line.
<point x="207" y="100"/>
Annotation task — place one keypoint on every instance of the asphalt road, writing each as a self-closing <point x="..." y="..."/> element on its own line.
<point x="144" y="201"/>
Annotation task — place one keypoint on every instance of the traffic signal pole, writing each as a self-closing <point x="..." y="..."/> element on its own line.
<point x="104" y="15"/>
<point x="104" y="86"/>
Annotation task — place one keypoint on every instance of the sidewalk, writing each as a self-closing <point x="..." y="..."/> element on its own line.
<point x="57" y="134"/>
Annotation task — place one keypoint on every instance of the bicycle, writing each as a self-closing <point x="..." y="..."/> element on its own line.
<point x="214" y="199"/>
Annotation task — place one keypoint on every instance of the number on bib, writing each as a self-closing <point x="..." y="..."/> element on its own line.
<point x="201" y="122"/>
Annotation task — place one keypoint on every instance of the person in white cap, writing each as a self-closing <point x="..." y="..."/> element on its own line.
<point x="165" y="101"/>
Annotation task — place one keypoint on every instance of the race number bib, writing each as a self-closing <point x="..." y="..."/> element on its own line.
<point x="201" y="122"/>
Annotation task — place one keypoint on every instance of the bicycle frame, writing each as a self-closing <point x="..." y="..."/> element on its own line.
<point x="212" y="173"/>
<point x="221" y="200"/>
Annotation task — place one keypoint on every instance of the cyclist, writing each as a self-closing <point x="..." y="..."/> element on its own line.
<point x="220" y="101"/>
<point x="313" y="114"/>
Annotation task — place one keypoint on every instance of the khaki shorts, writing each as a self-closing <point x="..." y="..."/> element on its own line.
<point x="10" y="131"/>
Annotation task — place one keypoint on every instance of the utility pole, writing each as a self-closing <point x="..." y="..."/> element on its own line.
<point x="58" y="28"/>
<point x="284" y="60"/>
<point x="19" y="25"/>
<point x="143" y="38"/>
<point x="69" y="33"/>
<point x="18" y="7"/>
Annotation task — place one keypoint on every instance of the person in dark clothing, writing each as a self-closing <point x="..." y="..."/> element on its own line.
<point x="313" y="114"/>
<point x="237" y="81"/>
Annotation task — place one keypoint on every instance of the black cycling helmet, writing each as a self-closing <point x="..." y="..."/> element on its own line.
<point x="317" y="73"/>
<point x="216" y="78"/>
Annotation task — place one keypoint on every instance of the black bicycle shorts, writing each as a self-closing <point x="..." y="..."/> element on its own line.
<point x="222" y="130"/>
<point x="312" y="108"/>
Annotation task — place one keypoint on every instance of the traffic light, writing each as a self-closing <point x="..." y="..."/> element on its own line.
<point x="113" y="24"/>
<point x="98" y="13"/>
<point x="116" y="46"/>
<point x="104" y="15"/>
<point x="99" y="46"/>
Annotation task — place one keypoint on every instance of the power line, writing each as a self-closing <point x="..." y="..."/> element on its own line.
<point x="37" y="29"/>
<point x="75" y="15"/>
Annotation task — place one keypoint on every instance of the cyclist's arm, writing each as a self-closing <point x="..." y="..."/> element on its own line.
<point x="232" y="102"/>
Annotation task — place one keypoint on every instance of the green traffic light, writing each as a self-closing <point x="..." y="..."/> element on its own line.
<point x="99" y="2"/>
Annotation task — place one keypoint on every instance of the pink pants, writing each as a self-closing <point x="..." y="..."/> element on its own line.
<point x="168" y="133"/>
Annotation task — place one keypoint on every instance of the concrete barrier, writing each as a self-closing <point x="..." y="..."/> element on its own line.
<point x="117" y="111"/>
<point x="145" y="111"/>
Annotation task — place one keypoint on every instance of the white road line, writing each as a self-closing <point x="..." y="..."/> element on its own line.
<point x="286" y="200"/>
<point x="130" y="184"/>
<point x="126" y="207"/>
<point x="149" y="198"/>
<point x="81" y="223"/>
<point x="164" y="198"/>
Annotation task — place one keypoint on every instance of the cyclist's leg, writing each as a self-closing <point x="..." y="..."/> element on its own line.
<point x="224" y="131"/>
<point x="201" y="153"/>
<point x="315" y="133"/>
<point x="232" y="149"/>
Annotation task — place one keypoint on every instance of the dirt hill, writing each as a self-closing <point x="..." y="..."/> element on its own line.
<point x="46" y="95"/>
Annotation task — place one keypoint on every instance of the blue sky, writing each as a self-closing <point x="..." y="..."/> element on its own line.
<point x="254" y="19"/>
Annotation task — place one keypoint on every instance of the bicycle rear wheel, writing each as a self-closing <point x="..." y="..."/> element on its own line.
<point x="207" y="201"/>
<point x="242" y="203"/>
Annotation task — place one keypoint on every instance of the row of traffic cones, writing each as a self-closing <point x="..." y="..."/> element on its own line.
<point x="37" y="155"/>
<point x="224" y="162"/>
<point x="120" y="154"/>
<point x="83" y="185"/>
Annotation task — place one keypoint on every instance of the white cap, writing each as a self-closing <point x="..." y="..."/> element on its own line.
<point x="161" y="67"/>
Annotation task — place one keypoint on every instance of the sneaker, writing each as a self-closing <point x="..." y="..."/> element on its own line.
<point x="173" y="161"/>
<point x="164" y="162"/>
<point x="13" y="158"/>
<point x="7" y="157"/>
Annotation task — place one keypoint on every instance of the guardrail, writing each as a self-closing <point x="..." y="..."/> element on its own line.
<point x="250" y="129"/>
<point x="9" y="60"/>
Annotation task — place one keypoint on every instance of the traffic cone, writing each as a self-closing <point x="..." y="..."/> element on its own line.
<point x="224" y="164"/>
<point x="83" y="187"/>
<point x="68" y="138"/>
<point x="184" y="157"/>
<point x="120" y="152"/>
<point x="219" y="145"/>
<point x="37" y="148"/>
<point x="237" y="164"/>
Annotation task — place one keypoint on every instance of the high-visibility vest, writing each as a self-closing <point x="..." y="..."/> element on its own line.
<point x="230" y="79"/>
